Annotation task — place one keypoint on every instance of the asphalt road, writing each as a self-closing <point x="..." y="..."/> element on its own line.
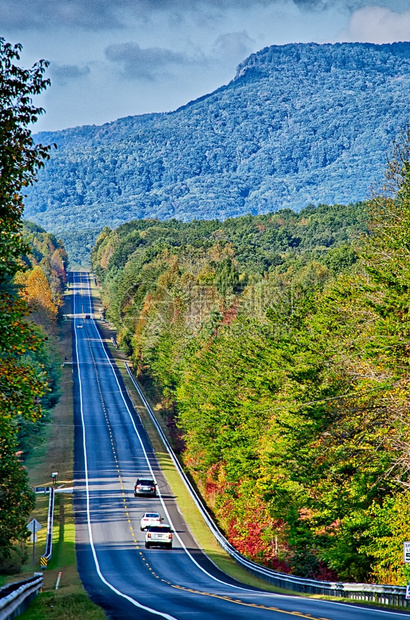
<point x="111" y="451"/>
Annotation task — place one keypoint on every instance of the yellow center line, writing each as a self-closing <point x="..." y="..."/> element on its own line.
<point x="245" y="604"/>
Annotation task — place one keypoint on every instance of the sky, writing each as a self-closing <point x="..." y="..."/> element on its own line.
<point x="115" y="58"/>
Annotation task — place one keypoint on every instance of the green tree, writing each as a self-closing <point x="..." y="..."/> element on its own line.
<point x="21" y="384"/>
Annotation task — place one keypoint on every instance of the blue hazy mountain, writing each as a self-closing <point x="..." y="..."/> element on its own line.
<point x="299" y="124"/>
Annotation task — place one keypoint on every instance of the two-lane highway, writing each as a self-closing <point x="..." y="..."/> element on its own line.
<point x="111" y="451"/>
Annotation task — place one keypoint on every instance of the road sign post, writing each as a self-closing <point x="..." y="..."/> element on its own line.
<point x="34" y="526"/>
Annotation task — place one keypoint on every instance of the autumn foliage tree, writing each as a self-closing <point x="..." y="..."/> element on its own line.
<point x="21" y="383"/>
<point x="39" y="297"/>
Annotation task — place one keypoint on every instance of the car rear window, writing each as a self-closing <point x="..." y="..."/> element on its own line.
<point x="147" y="482"/>
<point x="152" y="515"/>
<point x="157" y="528"/>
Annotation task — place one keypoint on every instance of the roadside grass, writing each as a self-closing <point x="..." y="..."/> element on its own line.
<point x="71" y="606"/>
<point x="56" y="454"/>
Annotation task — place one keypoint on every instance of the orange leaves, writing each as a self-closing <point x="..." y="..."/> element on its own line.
<point x="44" y="310"/>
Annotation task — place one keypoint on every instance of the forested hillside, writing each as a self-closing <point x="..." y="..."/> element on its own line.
<point x="299" y="124"/>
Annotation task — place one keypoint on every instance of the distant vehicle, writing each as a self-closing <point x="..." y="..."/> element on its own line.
<point x="158" y="535"/>
<point x="79" y="326"/>
<point x="87" y="316"/>
<point x="150" y="518"/>
<point x="145" y="486"/>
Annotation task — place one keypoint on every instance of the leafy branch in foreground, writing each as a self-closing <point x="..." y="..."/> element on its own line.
<point x="21" y="385"/>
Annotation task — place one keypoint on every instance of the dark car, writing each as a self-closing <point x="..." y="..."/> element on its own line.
<point x="87" y="316"/>
<point x="145" y="486"/>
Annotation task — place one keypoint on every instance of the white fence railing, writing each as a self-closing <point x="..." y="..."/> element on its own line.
<point x="389" y="595"/>
<point x="50" y="521"/>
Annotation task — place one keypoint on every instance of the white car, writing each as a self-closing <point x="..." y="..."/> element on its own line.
<point x="149" y="518"/>
<point x="158" y="535"/>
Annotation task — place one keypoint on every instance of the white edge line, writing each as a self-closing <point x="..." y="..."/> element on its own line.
<point x="97" y="565"/>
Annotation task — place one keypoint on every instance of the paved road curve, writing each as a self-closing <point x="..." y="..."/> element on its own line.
<point x="111" y="450"/>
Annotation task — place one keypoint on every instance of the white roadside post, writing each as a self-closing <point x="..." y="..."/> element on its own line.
<point x="58" y="579"/>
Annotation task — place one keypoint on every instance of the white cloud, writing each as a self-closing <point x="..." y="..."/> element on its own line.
<point x="378" y="25"/>
<point x="137" y="62"/>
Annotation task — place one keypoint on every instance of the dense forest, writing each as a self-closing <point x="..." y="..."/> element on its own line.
<point x="299" y="124"/>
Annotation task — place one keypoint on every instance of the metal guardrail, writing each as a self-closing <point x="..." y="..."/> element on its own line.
<point x="388" y="595"/>
<point x="16" y="597"/>
<point x="49" y="540"/>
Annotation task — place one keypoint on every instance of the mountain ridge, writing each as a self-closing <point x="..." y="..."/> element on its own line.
<point x="299" y="124"/>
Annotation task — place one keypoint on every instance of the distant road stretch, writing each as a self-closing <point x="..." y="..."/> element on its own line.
<point x="111" y="450"/>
